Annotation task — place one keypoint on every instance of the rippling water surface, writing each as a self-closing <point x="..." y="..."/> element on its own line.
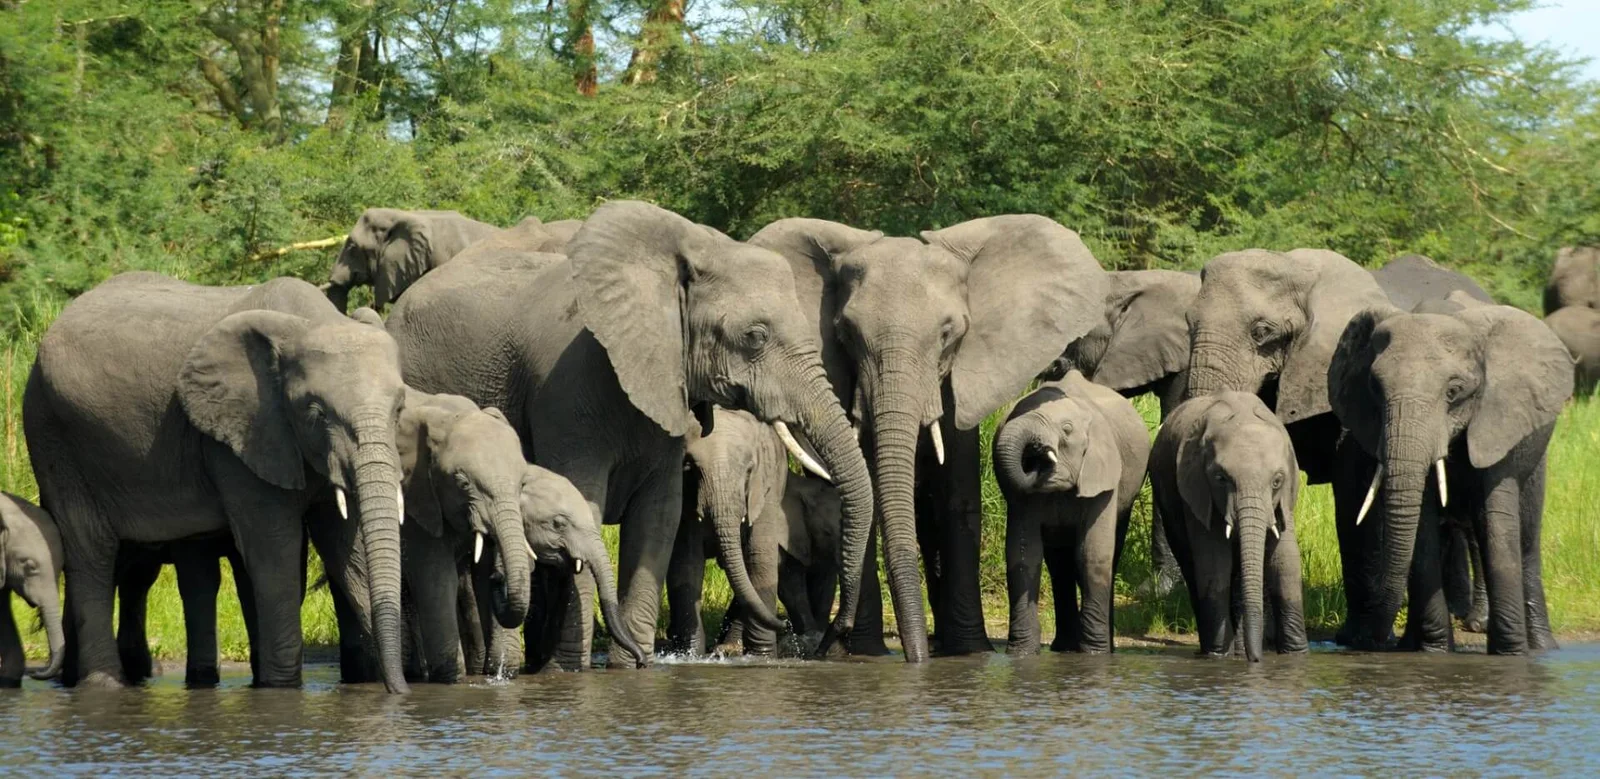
<point x="1147" y="711"/>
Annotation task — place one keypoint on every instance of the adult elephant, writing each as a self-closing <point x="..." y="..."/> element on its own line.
<point x="1470" y="398"/>
<point x="1579" y="328"/>
<point x="390" y="249"/>
<point x="30" y="565"/>
<point x="602" y="360"/>
<point x="916" y="333"/>
<point x="1268" y="323"/>
<point x="159" y="410"/>
<point x="1412" y="279"/>
<point x="1574" y="280"/>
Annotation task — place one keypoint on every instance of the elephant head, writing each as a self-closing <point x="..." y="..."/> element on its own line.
<point x="1408" y="386"/>
<point x="1053" y="442"/>
<point x="985" y="305"/>
<point x="690" y="317"/>
<point x="559" y="529"/>
<point x="390" y="249"/>
<point x="30" y="565"/>
<point x="302" y="403"/>
<point x="742" y="471"/>
<point x="1574" y="280"/>
<point x="1237" y="474"/>
<point x="464" y="471"/>
<point x="1263" y="315"/>
<point x="1144" y="334"/>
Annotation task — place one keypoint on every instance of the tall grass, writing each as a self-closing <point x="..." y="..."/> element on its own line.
<point x="1571" y="538"/>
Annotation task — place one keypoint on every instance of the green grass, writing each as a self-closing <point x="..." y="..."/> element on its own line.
<point x="1571" y="540"/>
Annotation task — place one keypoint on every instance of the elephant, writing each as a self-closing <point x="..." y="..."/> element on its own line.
<point x="390" y="249"/>
<point x="1574" y="280"/>
<point x="1267" y="323"/>
<point x="195" y="560"/>
<point x="734" y="479"/>
<point x="158" y="410"/>
<point x="1470" y="398"/>
<point x="31" y="560"/>
<point x="922" y="339"/>
<point x="1579" y="328"/>
<point x="1069" y="461"/>
<point x="1412" y="279"/>
<point x="1223" y="471"/>
<point x="1141" y="345"/>
<point x="603" y="358"/>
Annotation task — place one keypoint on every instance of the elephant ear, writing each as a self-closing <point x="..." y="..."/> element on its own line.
<point x="1350" y="380"/>
<point x="1527" y="378"/>
<point x="1290" y="496"/>
<point x="770" y="472"/>
<point x="231" y="389"/>
<point x="420" y="423"/>
<point x="1194" y="485"/>
<point x="365" y="315"/>
<point x="1102" y="459"/>
<point x="1032" y="289"/>
<point x="1337" y="291"/>
<point x="1150" y="331"/>
<point x="813" y="248"/>
<point x="632" y="262"/>
<point x="403" y="261"/>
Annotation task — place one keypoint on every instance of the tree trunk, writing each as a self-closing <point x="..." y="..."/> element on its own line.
<point x="663" y="23"/>
<point x="580" y="48"/>
<point x="347" y="70"/>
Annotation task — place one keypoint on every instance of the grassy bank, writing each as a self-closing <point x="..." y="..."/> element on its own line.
<point x="1571" y="542"/>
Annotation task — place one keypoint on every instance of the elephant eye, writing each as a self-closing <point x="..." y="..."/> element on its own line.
<point x="755" y="338"/>
<point x="1066" y="428"/>
<point x="1277" y="480"/>
<point x="1263" y="332"/>
<point x="1455" y="390"/>
<point x="462" y="481"/>
<point x="947" y="333"/>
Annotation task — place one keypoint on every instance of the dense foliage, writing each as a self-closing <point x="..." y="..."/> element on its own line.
<point x="191" y="135"/>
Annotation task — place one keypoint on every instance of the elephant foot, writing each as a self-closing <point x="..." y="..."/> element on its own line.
<point x="101" y="680"/>
<point x="868" y="646"/>
<point x="1062" y="645"/>
<point x="1346" y="635"/>
<point x="200" y="677"/>
<point x="10" y="684"/>
<point x="954" y="645"/>
<point x="1476" y="621"/>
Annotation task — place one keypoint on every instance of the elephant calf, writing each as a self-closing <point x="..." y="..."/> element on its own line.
<point x="30" y="563"/>
<point x="1069" y="461"/>
<point x="1224" y="478"/>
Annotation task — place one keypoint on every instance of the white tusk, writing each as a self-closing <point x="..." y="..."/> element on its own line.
<point x="579" y="565"/>
<point x="1275" y="531"/>
<point x="400" y="502"/>
<point x="477" y="547"/>
<point x="1227" y="530"/>
<point x="338" y="497"/>
<point x="746" y="520"/>
<point x="1444" y="491"/>
<point x="1050" y="454"/>
<point x="1372" y="494"/>
<point x="806" y="461"/>
<point x="529" y="547"/>
<point x="938" y="441"/>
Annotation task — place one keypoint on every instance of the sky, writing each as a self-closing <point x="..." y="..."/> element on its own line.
<point x="1571" y="26"/>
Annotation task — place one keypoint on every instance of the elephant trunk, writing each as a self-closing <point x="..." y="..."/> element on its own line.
<point x="1254" y="514"/>
<point x="898" y="408"/>
<point x="1019" y="459"/>
<point x="1211" y="370"/>
<point x="606" y="584"/>
<point x="50" y="611"/>
<point x="823" y="421"/>
<point x="511" y="610"/>
<point x="377" y="492"/>
<point x="727" y="518"/>
<point x="1405" y="473"/>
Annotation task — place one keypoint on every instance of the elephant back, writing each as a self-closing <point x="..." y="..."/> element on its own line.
<point x="1412" y="279"/>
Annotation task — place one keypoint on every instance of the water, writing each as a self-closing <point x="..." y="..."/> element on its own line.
<point x="1145" y="712"/>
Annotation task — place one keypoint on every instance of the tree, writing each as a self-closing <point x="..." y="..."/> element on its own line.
<point x="253" y="29"/>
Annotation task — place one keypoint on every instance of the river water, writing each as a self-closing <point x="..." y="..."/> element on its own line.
<point x="1140" y="711"/>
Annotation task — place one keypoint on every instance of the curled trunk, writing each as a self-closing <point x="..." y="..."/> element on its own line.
<point x="377" y="491"/>
<point x="600" y="568"/>
<point x="50" y="613"/>
<point x="1010" y="447"/>
<point x="1253" y="518"/>
<point x="511" y="610"/>
<point x="730" y="554"/>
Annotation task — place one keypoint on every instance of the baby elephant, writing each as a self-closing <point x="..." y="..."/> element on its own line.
<point x="1069" y="460"/>
<point x="30" y="565"/>
<point x="1225" y="481"/>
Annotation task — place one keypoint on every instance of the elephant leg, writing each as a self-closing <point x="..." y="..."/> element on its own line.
<point x="1024" y="557"/>
<point x="137" y="571"/>
<point x="1500" y="536"/>
<point x="761" y="561"/>
<point x="1288" y="604"/>
<point x="1428" y="615"/>
<point x="1538" y="615"/>
<point x="335" y="542"/>
<point x="431" y="575"/>
<point x="1359" y="546"/>
<point x="245" y="591"/>
<point x="91" y="587"/>
<point x="866" y="638"/>
<point x="649" y="528"/>
<point x="1061" y="557"/>
<point x="960" y="623"/>
<point x="1095" y="556"/>
<point x="686" y="586"/>
<point x="547" y="608"/>
<point x="796" y="597"/>
<point x="1213" y="591"/>
<point x="13" y="661"/>
<point x="1477" y="619"/>
<point x="199" y="579"/>
<point x="469" y="623"/>
<point x="271" y="551"/>
<point x="929" y="515"/>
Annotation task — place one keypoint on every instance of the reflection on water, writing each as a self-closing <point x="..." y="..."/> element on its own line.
<point x="1139" y="711"/>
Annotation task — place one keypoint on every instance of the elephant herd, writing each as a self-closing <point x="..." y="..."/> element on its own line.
<point x="453" y="462"/>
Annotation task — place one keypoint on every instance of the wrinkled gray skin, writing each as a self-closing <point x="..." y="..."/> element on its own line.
<point x="943" y="330"/>
<point x="1069" y="461"/>
<point x="148" y="393"/>
<point x="389" y="249"/>
<point x="733" y="484"/>
<point x="808" y="565"/>
<point x="1267" y="323"/>
<point x="1412" y="279"/>
<point x="1224" y="474"/>
<point x="1579" y="328"/>
<point x="1479" y="389"/>
<point x="1574" y="280"/>
<point x="603" y="359"/>
<point x="30" y="565"/>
